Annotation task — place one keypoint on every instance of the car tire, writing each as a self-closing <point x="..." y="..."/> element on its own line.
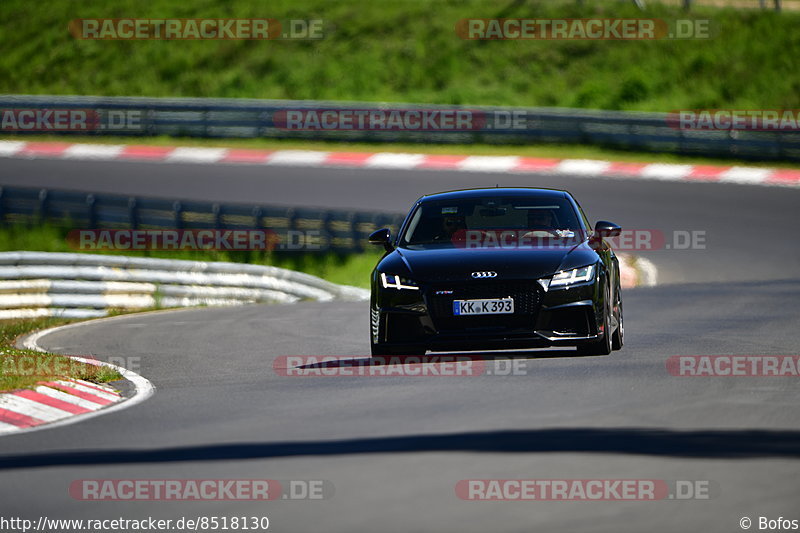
<point x="618" y="339"/>
<point x="601" y="346"/>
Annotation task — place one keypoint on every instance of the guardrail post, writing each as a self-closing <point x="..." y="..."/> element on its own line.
<point x="42" y="214"/>
<point x="357" y="244"/>
<point x="327" y="233"/>
<point x="215" y="210"/>
<point x="778" y="144"/>
<point x="258" y="224"/>
<point x="132" y="213"/>
<point x="291" y="217"/>
<point x="257" y="214"/>
<point x="731" y="145"/>
<point x="151" y="128"/>
<point x="177" y="210"/>
<point x="92" y="214"/>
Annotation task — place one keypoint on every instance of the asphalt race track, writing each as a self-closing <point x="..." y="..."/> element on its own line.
<point x="393" y="448"/>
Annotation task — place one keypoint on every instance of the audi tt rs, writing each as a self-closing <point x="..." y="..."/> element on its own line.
<point x="499" y="268"/>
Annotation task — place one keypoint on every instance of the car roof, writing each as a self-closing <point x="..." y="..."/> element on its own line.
<point x="520" y="192"/>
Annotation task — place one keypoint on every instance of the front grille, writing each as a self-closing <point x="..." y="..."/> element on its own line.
<point x="527" y="297"/>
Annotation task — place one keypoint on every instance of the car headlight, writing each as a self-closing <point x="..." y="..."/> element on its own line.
<point x="393" y="281"/>
<point x="570" y="277"/>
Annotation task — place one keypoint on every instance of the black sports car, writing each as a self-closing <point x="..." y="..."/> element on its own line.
<point x="501" y="268"/>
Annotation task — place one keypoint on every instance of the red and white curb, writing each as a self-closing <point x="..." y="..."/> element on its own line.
<point x="52" y="401"/>
<point x="388" y="160"/>
<point x="66" y="401"/>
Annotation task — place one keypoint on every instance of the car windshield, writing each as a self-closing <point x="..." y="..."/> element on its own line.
<point x="478" y="221"/>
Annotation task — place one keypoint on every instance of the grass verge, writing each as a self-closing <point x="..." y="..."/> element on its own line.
<point x="408" y="51"/>
<point x="25" y="368"/>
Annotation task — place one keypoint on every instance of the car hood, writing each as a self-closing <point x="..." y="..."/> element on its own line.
<point x="454" y="264"/>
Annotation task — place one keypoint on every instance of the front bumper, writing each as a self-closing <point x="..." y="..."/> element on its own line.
<point x="423" y="318"/>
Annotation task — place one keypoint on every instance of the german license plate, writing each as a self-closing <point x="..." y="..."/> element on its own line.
<point x="494" y="306"/>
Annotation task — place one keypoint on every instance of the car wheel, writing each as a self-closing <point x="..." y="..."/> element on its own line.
<point x="598" y="347"/>
<point x="617" y="340"/>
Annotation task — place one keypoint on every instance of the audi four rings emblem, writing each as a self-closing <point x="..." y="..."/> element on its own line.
<point x="489" y="274"/>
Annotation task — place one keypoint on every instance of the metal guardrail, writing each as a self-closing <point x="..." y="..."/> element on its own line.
<point x="301" y="229"/>
<point x="200" y="117"/>
<point x="87" y="285"/>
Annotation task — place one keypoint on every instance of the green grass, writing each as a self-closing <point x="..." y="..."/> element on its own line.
<point x="25" y="368"/>
<point x="349" y="269"/>
<point x="407" y="51"/>
<point x="556" y="151"/>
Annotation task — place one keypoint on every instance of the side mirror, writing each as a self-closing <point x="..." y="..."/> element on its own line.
<point x="604" y="228"/>
<point x="382" y="236"/>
